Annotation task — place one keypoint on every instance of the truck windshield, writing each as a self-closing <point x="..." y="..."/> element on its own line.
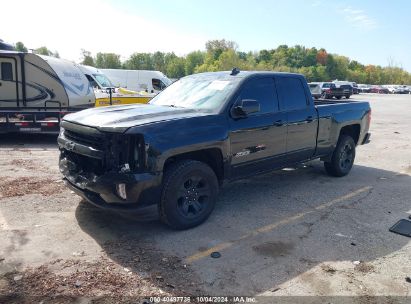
<point x="103" y="81"/>
<point x="198" y="92"/>
<point x="166" y="81"/>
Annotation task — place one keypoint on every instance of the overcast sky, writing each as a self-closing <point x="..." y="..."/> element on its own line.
<point x="371" y="32"/>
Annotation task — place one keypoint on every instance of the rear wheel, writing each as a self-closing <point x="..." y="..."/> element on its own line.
<point x="347" y="96"/>
<point x="343" y="157"/>
<point x="338" y="97"/>
<point x="190" y="191"/>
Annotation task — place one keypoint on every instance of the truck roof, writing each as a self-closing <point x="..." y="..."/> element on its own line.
<point x="244" y="74"/>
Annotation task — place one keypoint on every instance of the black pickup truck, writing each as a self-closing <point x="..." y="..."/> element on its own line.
<point x="330" y="90"/>
<point x="168" y="159"/>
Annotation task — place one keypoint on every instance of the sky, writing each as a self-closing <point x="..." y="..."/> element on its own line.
<point x="371" y="32"/>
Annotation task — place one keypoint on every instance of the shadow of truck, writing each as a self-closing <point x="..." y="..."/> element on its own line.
<point x="269" y="230"/>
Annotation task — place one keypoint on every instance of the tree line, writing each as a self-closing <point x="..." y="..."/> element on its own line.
<point x="219" y="55"/>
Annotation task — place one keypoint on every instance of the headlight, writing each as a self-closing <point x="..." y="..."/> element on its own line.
<point x="121" y="191"/>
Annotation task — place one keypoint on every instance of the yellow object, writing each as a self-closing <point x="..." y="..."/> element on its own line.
<point x="130" y="92"/>
<point x="122" y="100"/>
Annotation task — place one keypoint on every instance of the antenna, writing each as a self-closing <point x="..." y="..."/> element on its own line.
<point x="234" y="71"/>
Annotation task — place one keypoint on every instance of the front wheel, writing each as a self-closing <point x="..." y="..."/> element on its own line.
<point x="338" y="97"/>
<point x="343" y="157"/>
<point x="189" y="194"/>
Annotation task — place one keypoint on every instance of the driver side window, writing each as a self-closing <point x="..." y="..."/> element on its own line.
<point x="92" y="82"/>
<point x="262" y="90"/>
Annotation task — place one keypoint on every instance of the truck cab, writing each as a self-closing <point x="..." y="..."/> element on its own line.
<point x="96" y="78"/>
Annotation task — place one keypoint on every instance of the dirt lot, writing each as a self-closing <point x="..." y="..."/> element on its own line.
<point x="292" y="232"/>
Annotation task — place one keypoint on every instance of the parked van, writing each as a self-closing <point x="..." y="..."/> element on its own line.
<point x="36" y="88"/>
<point x="103" y="86"/>
<point x="138" y="80"/>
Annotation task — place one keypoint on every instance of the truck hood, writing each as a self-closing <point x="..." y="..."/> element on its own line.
<point x="120" y="118"/>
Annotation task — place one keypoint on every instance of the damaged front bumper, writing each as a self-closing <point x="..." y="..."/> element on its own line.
<point x="142" y="190"/>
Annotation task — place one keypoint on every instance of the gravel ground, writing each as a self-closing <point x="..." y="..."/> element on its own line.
<point x="293" y="232"/>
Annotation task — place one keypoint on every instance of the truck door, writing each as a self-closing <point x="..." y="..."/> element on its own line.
<point x="258" y="141"/>
<point x="8" y="82"/>
<point x="301" y="118"/>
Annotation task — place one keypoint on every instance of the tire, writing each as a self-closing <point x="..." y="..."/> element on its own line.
<point x="338" y="97"/>
<point x="316" y="97"/>
<point x="326" y="96"/>
<point x="347" y="96"/>
<point x="343" y="157"/>
<point x="190" y="190"/>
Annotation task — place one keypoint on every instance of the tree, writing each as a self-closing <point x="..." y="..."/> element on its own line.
<point x="20" y="47"/>
<point x="264" y="55"/>
<point x="159" y="62"/>
<point x="316" y="65"/>
<point x="217" y="47"/>
<point x="311" y="57"/>
<point x="46" y="52"/>
<point x="322" y="57"/>
<point x="193" y="60"/>
<point x="140" y="61"/>
<point x="108" y="61"/>
<point x="87" y="58"/>
<point x="281" y="56"/>
<point x="176" y="68"/>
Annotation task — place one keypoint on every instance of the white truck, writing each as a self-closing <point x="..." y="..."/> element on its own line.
<point x="138" y="80"/>
<point x="36" y="91"/>
<point x="103" y="87"/>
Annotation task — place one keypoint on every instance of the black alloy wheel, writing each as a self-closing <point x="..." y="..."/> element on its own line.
<point x="190" y="190"/>
<point x="343" y="157"/>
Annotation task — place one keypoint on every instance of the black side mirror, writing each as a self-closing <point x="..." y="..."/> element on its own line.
<point x="246" y="107"/>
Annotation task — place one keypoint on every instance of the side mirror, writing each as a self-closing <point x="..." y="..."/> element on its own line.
<point x="246" y="107"/>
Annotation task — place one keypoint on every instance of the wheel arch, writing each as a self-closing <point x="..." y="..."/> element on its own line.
<point x="352" y="130"/>
<point x="213" y="157"/>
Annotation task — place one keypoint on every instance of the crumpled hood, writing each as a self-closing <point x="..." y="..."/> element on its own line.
<point x="120" y="118"/>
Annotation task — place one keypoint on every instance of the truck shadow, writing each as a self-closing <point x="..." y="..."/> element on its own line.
<point x="269" y="230"/>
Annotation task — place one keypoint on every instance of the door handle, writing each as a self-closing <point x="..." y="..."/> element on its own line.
<point x="278" y="123"/>
<point x="309" y="119"/>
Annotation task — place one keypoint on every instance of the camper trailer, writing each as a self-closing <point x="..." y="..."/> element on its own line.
<point x="138" y="80"/>
<point x="36" y="91"/>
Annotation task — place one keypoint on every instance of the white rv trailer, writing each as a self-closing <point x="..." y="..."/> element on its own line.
<point x="34" y="88"/>
<point x="138" y="80"/>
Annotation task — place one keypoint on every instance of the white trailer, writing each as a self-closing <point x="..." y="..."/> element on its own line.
<point x="35" y="91"/>
<point x="138" y="80"/>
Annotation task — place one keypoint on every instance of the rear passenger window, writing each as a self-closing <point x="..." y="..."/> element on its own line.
<point x="262" y="90"/>
<point x="6" y="71"/>
<point x="291" y="93"/>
